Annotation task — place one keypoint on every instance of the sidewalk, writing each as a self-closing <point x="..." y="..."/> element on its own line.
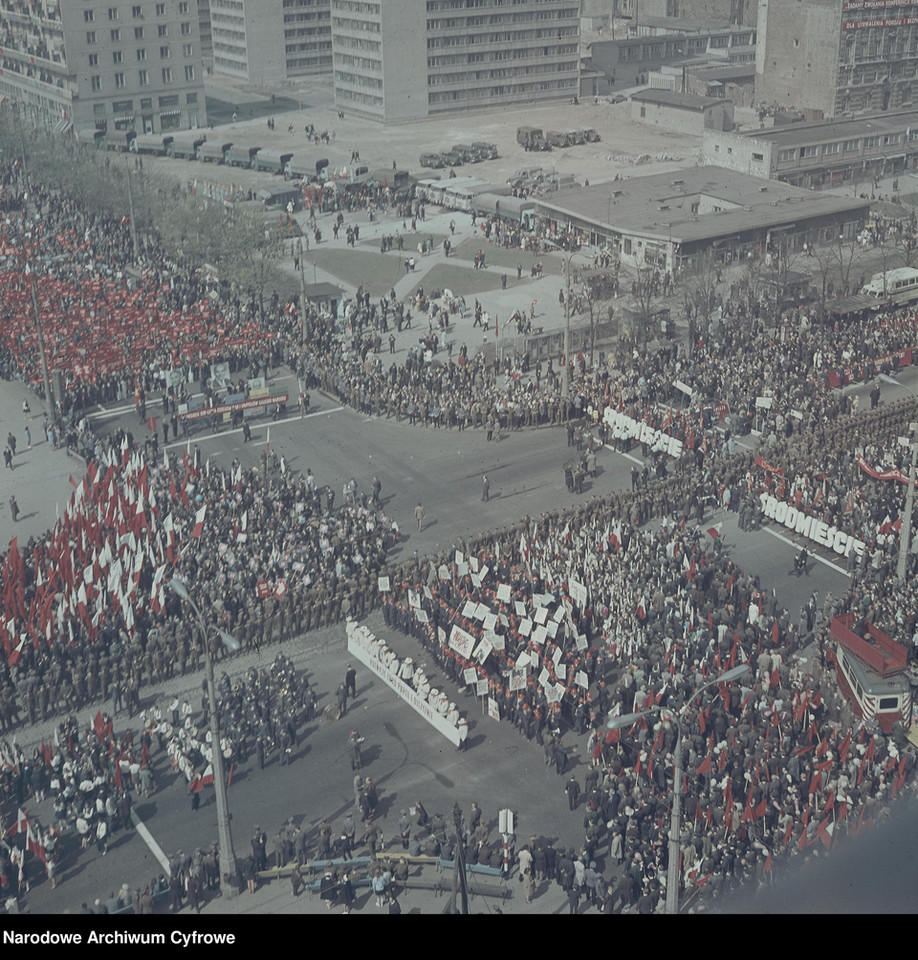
<point x="40" y="477"/>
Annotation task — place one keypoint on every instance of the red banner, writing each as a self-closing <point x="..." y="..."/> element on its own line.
<point x="889" y="474"/>
<point x="203" y="412"/>
<point x="765" y="465"/>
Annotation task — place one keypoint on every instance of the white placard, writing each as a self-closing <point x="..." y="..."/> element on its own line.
<point x="383" y="583"/>
<point x="493" y="709"/>
<point x="473" y="564"/>
<point x="520" y="608"/>
<point x="539" y="634"/>
<point x="561" y="671"/>
<point x="490" y="621"/>
<point x="421" y="615"/>
<point x="556" y="656"/>
<point x="541" y="615"/>
<point x="503" y="592"/>
<point x="582" y="679"/>
<point x="468" y="611"/>
<point x="523" y="660"/>
<point x="525" y="627"/>
<point x="462" y="569"/>
<point x="470" y="675"/>
<point x="481" y="611"/>
<point x="462" y="642"/>
<point x="481" y="688"/>
<point x="460" y="557"/>
<point x="483" y="652"/>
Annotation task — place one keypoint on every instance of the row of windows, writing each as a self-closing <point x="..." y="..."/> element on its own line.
<point x="447" y="78"/>
<point x="146" y="103"/>
<point x="143" y="78"/>
<point x="161" y="31"/>
<point x="518" y="53"/>
<point x="141" y="53"/>
<point x="114" y="13"/>
<point x="516" y="36"/>
<point x="872" y="142"/>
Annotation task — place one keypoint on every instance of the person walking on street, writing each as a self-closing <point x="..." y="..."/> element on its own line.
<point x="28" y="437"/>
<point x="485" y="488"/>
<point x="419" y="516"/>
<point x="350" y="681"/>
<point x="14" y="509"/>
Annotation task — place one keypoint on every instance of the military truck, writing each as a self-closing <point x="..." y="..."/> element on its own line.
<point x="531" y="138"/>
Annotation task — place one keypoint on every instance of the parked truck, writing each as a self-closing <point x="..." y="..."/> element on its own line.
<point x="532" y="138"/>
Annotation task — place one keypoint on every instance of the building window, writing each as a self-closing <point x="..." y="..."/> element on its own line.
<point x="143" y="77"/>
<point x="117" y="56"/>
<point x="138" y="33"/>
<point x="186" y="29"/>
<point x="98" y="109"/>
<point x="183" y="7"/>
<point x="189" y="72"/>
<point x="94" y="59"/>
<point x="187" y="50"/>
<point x="758" y="156"/>
<point x="91" y="36"/>
<point x="167" y="74"/>
<point x="163" y="30"/>
<point x="123" y="106"/>
<point x="135" y="12"/>
<point x="96" y="84"/>
<point x="141" y="53"/>
<point x="119" y="81"/>
<point x="160" y="9"/>
<point x="89" y="16"/>
<point x="116" y="36"/>
<point x="164" y="53"/>
<point x="191" y="98"/>
<point x="112" y="13"/>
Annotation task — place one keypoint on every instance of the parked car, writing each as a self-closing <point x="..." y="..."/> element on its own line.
<point x="434" y="160"/>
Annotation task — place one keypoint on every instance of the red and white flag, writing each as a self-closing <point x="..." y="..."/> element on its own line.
<point x="199" y="521"/>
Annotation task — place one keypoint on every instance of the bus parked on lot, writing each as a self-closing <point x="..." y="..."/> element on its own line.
<point x="899" y="286"/>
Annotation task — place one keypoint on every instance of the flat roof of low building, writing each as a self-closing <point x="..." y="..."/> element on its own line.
<point x="661" y="205"/>
<point x="792" y="134"/>
<point x="673" y="98"/>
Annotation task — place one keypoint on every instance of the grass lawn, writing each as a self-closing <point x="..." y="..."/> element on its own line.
<point x="461" y="280"/>
<point x="377" y="272"/>
<point x="496" y="256"/>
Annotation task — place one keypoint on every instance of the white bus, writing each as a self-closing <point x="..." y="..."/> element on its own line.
<point x="894" y="286"/>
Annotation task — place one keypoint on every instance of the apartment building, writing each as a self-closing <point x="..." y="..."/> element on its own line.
<point x="392" y="62"/>
<point x="106" y="65"/>
<point x="269" y="41"/>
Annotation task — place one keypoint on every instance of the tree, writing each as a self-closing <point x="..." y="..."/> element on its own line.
<point x="702" y="287"/>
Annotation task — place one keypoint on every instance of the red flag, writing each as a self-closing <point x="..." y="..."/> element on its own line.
<point x="199" y="522"/>
<point x="22" y="822"/>
<point x="825" y="832"/>
<point x="761" y="809"/>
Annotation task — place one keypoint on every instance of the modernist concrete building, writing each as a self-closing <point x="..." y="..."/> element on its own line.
<point x="738" y="12"/>
<point x="106" y="65"/>
<point x="407" y="59"/>
<point x="669" y="219"/>
<point x="669" y="42"/>
<point x="825" y="154"/>
<point x="681" y="112"/>
<point x="267" y="41"/>
<point x="831" y="58"/>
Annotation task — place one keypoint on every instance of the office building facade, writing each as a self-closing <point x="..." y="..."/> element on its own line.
<point x="109" y="65"/>
<point x="270" y="41"/>
<point x="393" y="63"/>
<point x="834" y="58"/>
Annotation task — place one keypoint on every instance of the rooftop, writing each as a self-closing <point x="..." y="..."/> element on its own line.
<point x="661" y="205"/>
<point x="672" y="98"/>
<point x="793" y="134"/>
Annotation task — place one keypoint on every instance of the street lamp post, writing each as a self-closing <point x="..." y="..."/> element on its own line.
<point x="675" y="822"/>
<point x="228" y="884"/>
